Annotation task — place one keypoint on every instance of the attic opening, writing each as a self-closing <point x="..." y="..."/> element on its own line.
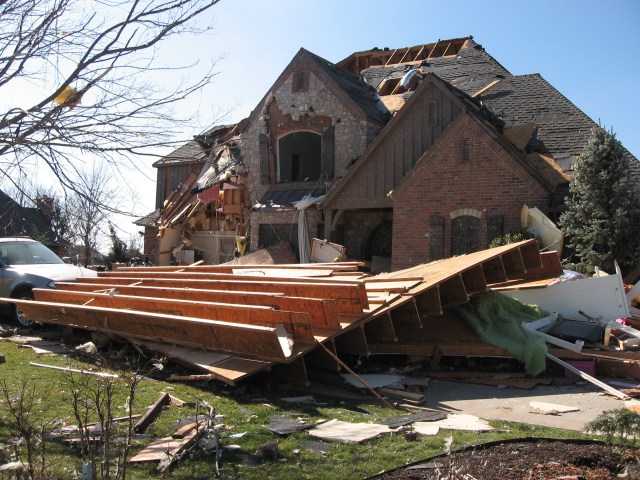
<point x="299" y="157"/>
<point x="394" y="86"/>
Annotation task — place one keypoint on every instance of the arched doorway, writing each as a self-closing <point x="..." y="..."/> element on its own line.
<point x="379" y="241"/>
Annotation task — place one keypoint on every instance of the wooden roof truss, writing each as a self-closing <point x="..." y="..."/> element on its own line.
<point x="230" y="322"/>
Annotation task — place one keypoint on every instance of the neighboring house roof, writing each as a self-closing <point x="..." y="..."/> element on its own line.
<point x="16" y="220"/>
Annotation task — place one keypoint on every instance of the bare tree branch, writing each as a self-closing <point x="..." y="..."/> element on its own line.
<point x="93" y="64"/>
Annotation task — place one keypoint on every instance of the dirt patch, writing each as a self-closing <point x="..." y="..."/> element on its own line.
<point x="539" y="459"/>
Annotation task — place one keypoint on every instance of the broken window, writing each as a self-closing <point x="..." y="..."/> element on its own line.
<point x="299" y="157"/>
<point x="465" y="235"/>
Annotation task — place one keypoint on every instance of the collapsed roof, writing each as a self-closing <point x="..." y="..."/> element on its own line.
<point x="232" y="321"/>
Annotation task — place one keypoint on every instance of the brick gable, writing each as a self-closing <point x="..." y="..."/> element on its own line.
<point x="444" y="185"/>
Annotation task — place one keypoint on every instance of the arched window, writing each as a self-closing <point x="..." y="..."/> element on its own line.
<point x="465" y="235"/>
<point x="299" y="157"/>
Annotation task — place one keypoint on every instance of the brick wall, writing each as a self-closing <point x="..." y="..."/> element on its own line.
<point x="313" y="110"/>
<point x="488" y="182"/>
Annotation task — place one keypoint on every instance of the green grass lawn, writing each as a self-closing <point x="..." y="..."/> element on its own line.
<point x="241" y="409"/>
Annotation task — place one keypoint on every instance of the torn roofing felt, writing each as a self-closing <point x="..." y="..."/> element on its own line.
<point x="232" y="321"/>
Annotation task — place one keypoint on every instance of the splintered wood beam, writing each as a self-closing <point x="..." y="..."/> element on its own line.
<point x="485" y="89"/>
<point x="271" y="343"/>
<point x="296" y="323"/>
<point x="351" y="298"/>
<point x="474" y="281"/>
<point x="322" y="312"/>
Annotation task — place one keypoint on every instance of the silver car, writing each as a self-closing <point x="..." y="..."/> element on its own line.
<point x="26" y="264"/>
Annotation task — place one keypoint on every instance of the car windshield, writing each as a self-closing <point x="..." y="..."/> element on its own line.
<point x="27" y="253"/>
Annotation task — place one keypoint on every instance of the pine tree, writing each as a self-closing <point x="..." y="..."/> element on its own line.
<point x="603" y="207"/>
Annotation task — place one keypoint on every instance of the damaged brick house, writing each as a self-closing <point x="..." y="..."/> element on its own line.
<point x="412" y="154"/>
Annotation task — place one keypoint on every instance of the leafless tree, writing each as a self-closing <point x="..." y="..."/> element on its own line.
<point x="86" y="210"/>
<point x="92" y="65"/>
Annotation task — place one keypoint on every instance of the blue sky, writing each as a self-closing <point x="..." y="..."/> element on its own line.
<point x="586" y="49"/>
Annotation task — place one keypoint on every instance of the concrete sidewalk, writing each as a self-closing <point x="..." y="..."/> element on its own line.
<point x="510" y="404"/>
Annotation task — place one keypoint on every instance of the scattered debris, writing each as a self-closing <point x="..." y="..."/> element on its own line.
<point x="75" y="370"/>
<point x="373" y="380"/>
<point x="285" y="425"/>
<point x="408" y="419"/>
<point x="168" y="447"/>
<point x="454" y="421"/>
<point x="152" y="413"/>
<point x="345" y="432"/>
<point x="303" y="399"/>
<point x="544" y="408"/>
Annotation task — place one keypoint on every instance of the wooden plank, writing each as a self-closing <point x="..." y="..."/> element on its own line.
<point x="255" y="341"/>
<point x="351" y="298"/>
<point x="152" y="413"/>
<point x="222" y="366"/>
<point x="194" y="275"/>
<point x="296" y="323"/>
<point x="164" y="448"/>
<point x="321" y="311"/>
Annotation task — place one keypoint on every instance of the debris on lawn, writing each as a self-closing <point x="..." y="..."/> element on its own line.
<point x="544" y="408"/>
<point x="152" y="413"/>
<point x="345" y="432"/>
<point x="286" y="425"/>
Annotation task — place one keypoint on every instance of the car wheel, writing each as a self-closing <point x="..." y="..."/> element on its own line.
<point x="18" y="316"/>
